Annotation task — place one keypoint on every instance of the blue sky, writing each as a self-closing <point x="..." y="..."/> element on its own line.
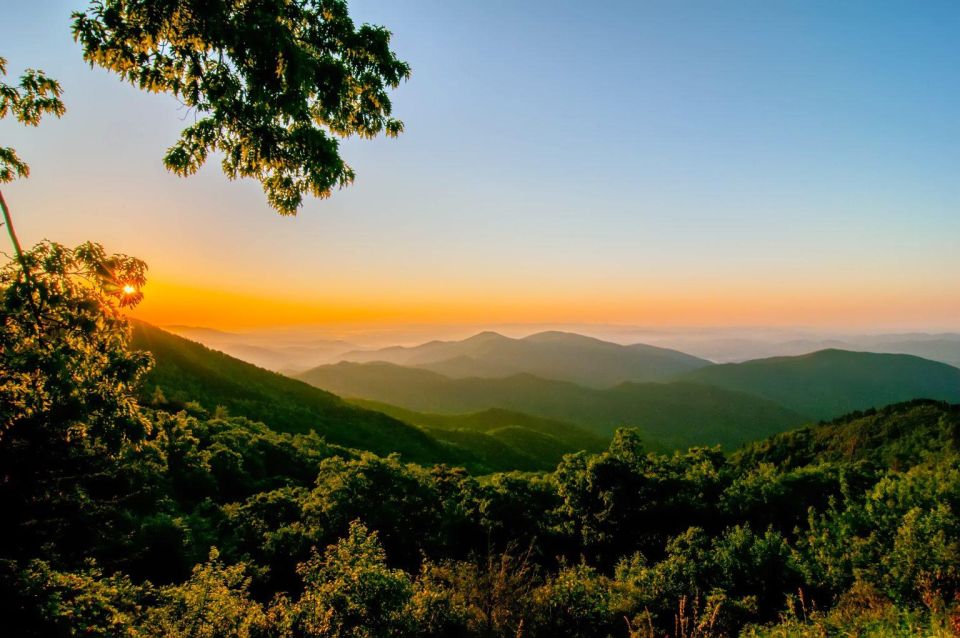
<point x="632" y="162"/>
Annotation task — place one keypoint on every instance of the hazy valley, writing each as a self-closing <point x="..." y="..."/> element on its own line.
<point x="490" y="401"/>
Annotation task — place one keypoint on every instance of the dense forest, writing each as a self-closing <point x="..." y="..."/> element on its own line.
<point x="128" y="519"/>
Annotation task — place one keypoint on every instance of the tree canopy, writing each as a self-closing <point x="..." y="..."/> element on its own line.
<point x="273" y="84"/>
<point x="34" y="96"/>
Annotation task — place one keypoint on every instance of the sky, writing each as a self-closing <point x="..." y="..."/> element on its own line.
<point x="744" y="163"/>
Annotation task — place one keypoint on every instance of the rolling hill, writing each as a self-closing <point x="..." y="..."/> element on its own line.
<point x="944" y="348"/>
<point x="670" y="414"/>
<point x="527" y="422"/>
<point x="562" y="356"/>
<point x="187" y="371"/>
<point x="488" y="442"/>
<point x="829" y="383"/>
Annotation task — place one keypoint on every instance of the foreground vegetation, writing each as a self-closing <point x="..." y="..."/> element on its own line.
<point x="127" y="520"/>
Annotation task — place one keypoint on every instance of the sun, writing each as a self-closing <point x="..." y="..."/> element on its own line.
<point x="128" y="289"/>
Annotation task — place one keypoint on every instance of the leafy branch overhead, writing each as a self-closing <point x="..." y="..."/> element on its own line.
<point x="273" y="84"/>
<point x="36" y="95"/>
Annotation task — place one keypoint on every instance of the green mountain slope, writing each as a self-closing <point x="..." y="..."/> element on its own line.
<point x="187" y="371"/>
<point x="829" y="383"/>
<point x="896" y="436"/>
<point x="496" y="436"/>
<point x="673" y="414"/>
<point x="493" y="419"/>
<point x="552" y="355"/>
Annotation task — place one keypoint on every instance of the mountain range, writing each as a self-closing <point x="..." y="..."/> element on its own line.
<point x="555" y="355"/>
<point x="505" y="403"/>
<point x="670" y="414"/>
<point x="726" y="404"/>
<point x="294" y="350"/>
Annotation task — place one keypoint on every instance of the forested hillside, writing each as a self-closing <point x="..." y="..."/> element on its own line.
<point x="535" y="443"/>
<point x="313" y="540"/>
<point x="187" y="375"/>
<point x="829" y="383"/>
<point x="669" y="414"/>
<point x="186" y="372"/>
<point x="896" y="436"/>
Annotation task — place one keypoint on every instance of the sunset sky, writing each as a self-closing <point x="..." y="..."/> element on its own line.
<point x="649" y="163"/>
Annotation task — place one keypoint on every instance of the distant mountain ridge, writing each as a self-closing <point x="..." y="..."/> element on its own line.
<point x="737" y="348"/>
<point x="829" y="383"/>
<point x="562" y="356"/>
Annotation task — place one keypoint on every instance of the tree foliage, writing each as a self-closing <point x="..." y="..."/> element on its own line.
<point x="34" y="96"/>
<point x="66" y="384"/>
<point x="67" y="373"/>
<point x="213" y="603"/>
<point x="272" y="84"/>
<point x="350" y="592"/>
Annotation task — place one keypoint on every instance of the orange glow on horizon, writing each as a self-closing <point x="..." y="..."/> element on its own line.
<point x="169" y="303"/>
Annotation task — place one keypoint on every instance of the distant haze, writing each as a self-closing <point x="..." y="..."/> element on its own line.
<point x="294" y="349"/>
